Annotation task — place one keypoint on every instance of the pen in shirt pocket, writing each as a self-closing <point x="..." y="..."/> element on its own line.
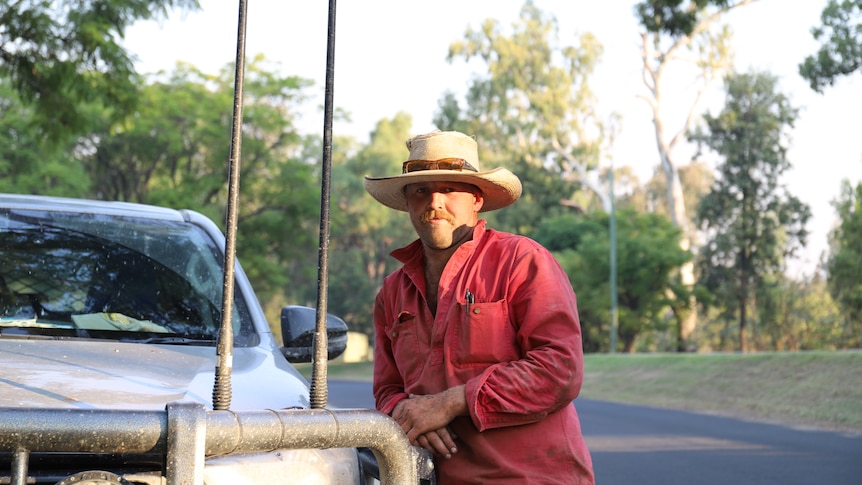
<point x="469" y="298"/>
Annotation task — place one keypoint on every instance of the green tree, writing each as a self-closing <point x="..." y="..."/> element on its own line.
<point x="62" y="54"/>
<point x="844" y="265"/>
<point x="840" y="52"/>
<point x="798" y="315"/>
<point x="648" y="255"/>
<point x="173" y="149"/>
<point x="28" y="166"/>
<point x="533" y="112"/>
<point x="751" y="223"/>
<point x="675" y="18"/>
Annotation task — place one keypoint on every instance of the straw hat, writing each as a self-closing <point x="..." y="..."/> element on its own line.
<point x="445" y="156"/>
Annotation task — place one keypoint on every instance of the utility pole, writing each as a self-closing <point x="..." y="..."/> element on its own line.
<point x="613" y="258"/>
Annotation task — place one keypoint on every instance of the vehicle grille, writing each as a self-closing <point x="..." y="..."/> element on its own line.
<point x="52" y="468"/>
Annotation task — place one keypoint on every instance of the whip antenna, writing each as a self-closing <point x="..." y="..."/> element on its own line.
<point x="224" y="366"/>
<point x="319" y="390"/>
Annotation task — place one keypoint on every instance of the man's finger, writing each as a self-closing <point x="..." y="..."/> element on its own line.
<point x="437" y="445"/>
<point x="447" y="438"/>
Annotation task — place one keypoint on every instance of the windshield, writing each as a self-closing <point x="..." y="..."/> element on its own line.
<point x="72" y="274"/>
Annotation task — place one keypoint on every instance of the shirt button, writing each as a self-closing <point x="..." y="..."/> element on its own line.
<point x="394" y="334"/>
<point x="476" y="311"/>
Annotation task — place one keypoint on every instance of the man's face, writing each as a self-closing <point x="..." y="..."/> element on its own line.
<point x="443" y="213"/>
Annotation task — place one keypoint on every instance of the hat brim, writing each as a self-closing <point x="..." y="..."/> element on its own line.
<point x="499" y="187"/>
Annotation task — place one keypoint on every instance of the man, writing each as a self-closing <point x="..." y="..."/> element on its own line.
<point x="478" y="351"/>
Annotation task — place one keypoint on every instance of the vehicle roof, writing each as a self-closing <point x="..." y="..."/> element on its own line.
<point x="66" y="204"/>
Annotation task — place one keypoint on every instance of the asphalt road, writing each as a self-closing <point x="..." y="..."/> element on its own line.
<point x="637" y="445"/>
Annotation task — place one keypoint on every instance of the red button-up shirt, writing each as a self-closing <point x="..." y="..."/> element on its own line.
<point x="517" y="348"/>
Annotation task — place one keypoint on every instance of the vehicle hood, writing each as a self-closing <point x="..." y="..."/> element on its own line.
<point x="117" y="375"/>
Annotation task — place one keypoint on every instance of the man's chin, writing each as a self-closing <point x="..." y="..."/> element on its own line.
<point x="438" y="244"/>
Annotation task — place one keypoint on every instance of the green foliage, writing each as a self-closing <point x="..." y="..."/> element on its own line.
<point x="164" y="153"/>
<point x="845" y="262"/>
<point x="648" y="254"/>
<point x="62" y="54"/>
<point x="798" y="315"/>
<point x="752" y="224"/>
<point x="676" y="18"/>
<point x="28" y="166"/>
<point x="542" y="192"/>
<point x="840" y="52"/>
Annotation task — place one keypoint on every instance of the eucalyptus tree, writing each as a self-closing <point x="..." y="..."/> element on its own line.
<point x="60" y="54"/>
<point x="680" y="33"/>
<point x="751" y="222"/>
<point x="840" y="53"/>
<point x="532" y="110"/>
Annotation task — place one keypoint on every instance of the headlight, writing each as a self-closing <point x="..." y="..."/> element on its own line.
<point x="337" y="466"/>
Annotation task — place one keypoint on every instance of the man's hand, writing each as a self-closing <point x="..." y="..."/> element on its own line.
<point x="425" y="419"/>
<point x="441" y="442"/>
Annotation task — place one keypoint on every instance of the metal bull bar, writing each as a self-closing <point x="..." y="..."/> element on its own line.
<point x="187" y="433"/>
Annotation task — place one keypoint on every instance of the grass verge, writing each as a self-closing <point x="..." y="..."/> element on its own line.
<point x="802" y="389"/>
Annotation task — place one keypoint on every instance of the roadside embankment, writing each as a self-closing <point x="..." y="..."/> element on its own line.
<point x="800" y="389"/>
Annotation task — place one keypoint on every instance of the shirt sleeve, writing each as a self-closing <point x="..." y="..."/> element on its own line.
<point x="388" y="386"/>
<point x="549" y="374"/>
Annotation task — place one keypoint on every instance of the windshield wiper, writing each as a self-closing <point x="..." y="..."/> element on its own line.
<point x="170" y="340"/>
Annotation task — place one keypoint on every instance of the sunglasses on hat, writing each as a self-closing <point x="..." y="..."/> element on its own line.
<point x="457" y="164"/>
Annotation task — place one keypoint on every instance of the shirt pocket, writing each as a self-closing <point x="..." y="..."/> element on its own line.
<point x="405" y="342"/>
<point x="485" y="335"/>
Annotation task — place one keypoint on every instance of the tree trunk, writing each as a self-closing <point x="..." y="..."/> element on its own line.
<point x="679" y="216"/>
<point x="743" y="303"/>
<point x="743" y="344"/>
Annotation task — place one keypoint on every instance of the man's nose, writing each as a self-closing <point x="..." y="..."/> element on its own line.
<point x="436" y="199"/>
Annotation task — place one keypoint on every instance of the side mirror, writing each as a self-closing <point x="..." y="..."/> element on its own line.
<point x="297" y="329"/>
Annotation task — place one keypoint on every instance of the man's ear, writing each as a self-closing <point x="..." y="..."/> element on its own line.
<point x="479" y="201"/>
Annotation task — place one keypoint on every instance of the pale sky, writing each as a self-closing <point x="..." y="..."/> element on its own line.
<point x="390" y="56"/>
